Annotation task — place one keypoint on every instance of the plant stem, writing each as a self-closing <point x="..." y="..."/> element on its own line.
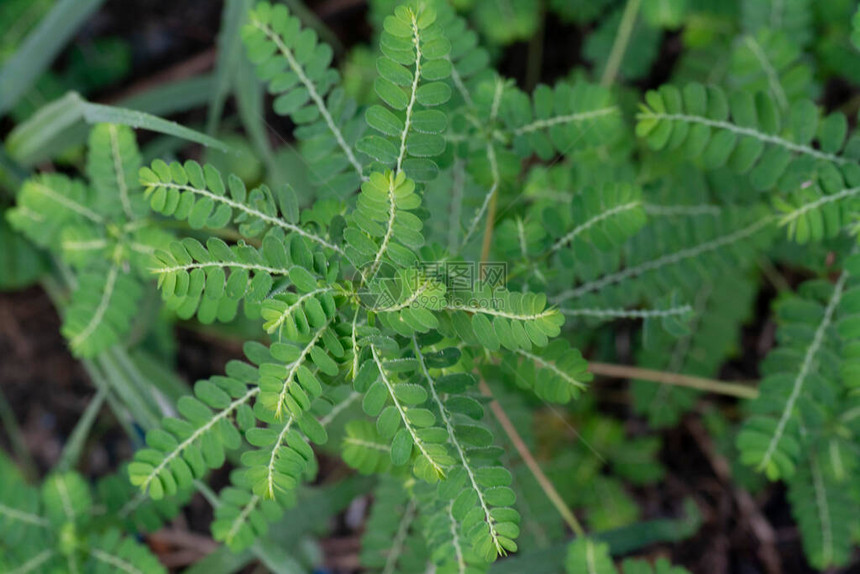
<point x="114" y="370"/>
<point x="773" y="275"/>
<point x="523" y="450"/>
<point x="120" y="412"/>
<point x="207" y="492"/>
<point x="627" y="372"/>
<point x="622" y="38"/>
<point x="488" y="230"/>
<point x="506" y="424"/>
<point x="145" y="387"/>
<point x="72" y="451"/>
<point x="132" y="397"/>
<point x="16" y="437"/>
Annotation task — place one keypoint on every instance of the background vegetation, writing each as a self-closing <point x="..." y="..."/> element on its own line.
<point x="213" y="192"/>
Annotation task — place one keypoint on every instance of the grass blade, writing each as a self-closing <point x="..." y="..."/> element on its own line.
<point x="41" y="47"/>
<point x="57" y="126"/>
<point x="249" y="102"/>
<point x="72" y="450"/>
<point x="229" y="55"/>
<point x="173" y="97"/>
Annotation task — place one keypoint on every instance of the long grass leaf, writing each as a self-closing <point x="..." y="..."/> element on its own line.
<point x="58" y="125"/>
<point x="41" y="47"/>
<point x="229" y="55"/>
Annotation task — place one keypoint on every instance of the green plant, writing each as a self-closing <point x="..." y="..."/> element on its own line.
<point x="422" y="284"/>
<point x="64" y="526"/>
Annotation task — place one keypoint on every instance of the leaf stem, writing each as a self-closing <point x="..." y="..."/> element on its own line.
<point x="627" y="372"/>
<point x="622" y="38"/>
<point x="72" y="450"/>
<point x="16" y="437"/>
<point x="488" y="229"/>
<point x="523" y="450"/>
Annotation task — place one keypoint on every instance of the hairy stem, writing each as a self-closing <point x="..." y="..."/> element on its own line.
<point x="544" y="482"/>
<point x="627" y="372"/>
<point x="16" y="437"/>
<point x="488" y="230"/>
<point x="622" y="38"/>
<point x="72" y="450"/>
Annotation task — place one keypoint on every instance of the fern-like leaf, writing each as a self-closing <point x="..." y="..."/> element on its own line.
<point x="291" y="315"/>
<point x="825" y="511"/>
<point x="757" y="138"/>
<point x="642" y="49"/>
<point x="102" y="307"/>
<point x="732" y="238"/>
<point x="111" y="552"/>
<point x="469" y="61"/>
<point x="771" y="439"/>
<point x="407" y="302"/>
<point x="194" y="279"/>
<point x="477" y="481"/>
<point x="604" y="217"/>
<point x="584" y="556"/>
<point x="49" y="202"/>
<point x="502" y="318"/>
<point x="112" y="166"/>
<point x="134" y="510"/>
<point x="184" y="449"/>
<point x="506" y="21"/>
<point x="296" y="68"/>
<point x="793" y="17"/>
<point x="242" y="516"/>
<point x="719" y="310"/>
<point x="771" y="62"/>
<point x="66" y="498"/>
<point x="821" y="207"/>
<point x="401" y="418"/>
<point x="412" y="71"/>
<point x="450" y="550"/>
<point x="290" y="378"/>
<point x="364" y="449"/>
<point x="556" y="373"/>
<point x="21" y="519"/>
<point x="198" y="195"/>
<point x="560" y="119"/>
<point x="382" y="228"/>
<point x="392" y="540"/>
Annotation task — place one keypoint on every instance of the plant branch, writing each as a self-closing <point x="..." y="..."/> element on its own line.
<point x="16" y="437"/>
<point x="72" y="450"/>
<point x="523" y="450"/>
<point x="740" y="390"/>
<point x="622" y="38"/>
<point x="488" y="230"/>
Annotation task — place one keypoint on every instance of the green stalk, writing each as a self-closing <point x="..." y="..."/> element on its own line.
<point x="146" y="388"/>
<point x="16" y="437"/>
<point x="619" y="47"/>
<point x="128" y="392"/>
<point x="740" y="390"/>
<point x="121" y="413"/>
<point x="72" y="451"/>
